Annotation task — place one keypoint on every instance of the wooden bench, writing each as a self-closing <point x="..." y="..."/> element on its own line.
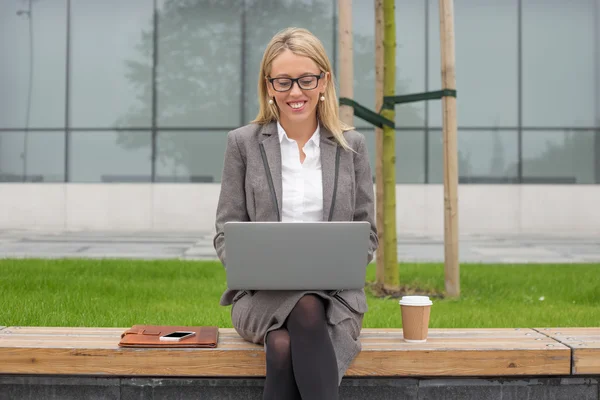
<point x="584" y="344"/>
<point x="448" y="352"/>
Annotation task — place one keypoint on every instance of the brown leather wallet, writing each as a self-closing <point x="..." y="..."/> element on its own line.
<point x="149" y="336"/>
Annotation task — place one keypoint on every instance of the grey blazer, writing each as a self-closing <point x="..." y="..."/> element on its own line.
<point x="251" y="186"/>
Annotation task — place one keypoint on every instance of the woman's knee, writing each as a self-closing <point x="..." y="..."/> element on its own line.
<point x="308" y="314"/>
<point x="279" y="354"/>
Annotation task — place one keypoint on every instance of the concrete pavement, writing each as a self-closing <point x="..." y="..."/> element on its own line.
<point x="198" y="246"/>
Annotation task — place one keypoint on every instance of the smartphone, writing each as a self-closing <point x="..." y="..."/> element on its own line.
<point x="177" y="335"/>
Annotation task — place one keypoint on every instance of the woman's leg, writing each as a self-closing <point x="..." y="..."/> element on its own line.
<point x="280" y="383"/>
<point x="313" y="357"/>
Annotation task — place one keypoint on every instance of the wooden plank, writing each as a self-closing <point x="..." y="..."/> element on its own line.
<point x="585" y="345"/>
<point x="73" y="339"/>
<point x="483" y="332"/>
<point x="218" y="362"/>
<point x="586" y="361"/>
<point x="368" y="345"/>
<point x="456" y="352"/>
<point x="94" y="343"/>
<point x="227" y="336"/>
<point x="589" y="331"/>
<point x="230" y="332"/>
<point x="462" y="363"/>
<point x="74" y="334"/>
<point x="84" y="332"/>
<point x="126" y="362"/>
<point x="62" y="330"/>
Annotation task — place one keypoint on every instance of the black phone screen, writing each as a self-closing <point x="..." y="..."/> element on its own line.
<point x="177" y="334"/>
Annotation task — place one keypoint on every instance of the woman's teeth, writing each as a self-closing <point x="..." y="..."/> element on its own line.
<point x="296" y="105"/>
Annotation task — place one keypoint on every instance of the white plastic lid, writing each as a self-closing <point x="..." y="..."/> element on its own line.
<point x="415" y="301"/>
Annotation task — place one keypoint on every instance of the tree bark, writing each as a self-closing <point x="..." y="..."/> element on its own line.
<point x="380" y="270"/>
<point x="452" y="269"/>
<point x="392" y="277"/>
<point x="346" y="58"/>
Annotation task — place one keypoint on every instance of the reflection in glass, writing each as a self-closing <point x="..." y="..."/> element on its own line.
<point x="410" y="58"/>
<point x="32" y="71"/>
<point x="102" y="156"/>
<point x="486" y="62"/>
<point x="111" y="63"/>
<point x="208" y="58"/>
<point x="190" y="156"/>
<point x="410" y="155"/>
<point x="483" y="156"/>
<point x="558" y="157"/>
<point x="263" y="19"/>
<point x="199" y="62"/>
<point x="32" y="156"/>
<point x="559" y="68"/>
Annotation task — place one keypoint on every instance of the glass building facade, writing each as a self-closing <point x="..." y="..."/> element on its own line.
<point x="146" y="90"/>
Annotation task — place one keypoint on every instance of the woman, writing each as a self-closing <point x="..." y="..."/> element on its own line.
<point x="285" y="166"/>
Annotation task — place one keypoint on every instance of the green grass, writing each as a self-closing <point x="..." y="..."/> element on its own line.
<point x="120" y="293"/>
<point x="502" y="296"/>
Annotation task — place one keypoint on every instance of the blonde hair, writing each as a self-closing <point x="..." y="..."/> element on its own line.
<point x="303" y="43"/>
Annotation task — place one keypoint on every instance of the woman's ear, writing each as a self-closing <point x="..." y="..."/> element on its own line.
<point x="268" y="86"/>
<point x="325" y="80"/>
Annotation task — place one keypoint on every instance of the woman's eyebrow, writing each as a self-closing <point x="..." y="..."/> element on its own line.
<point x="289" y="76"/>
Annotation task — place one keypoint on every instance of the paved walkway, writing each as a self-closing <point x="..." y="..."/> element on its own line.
<point x="198" y="246"/>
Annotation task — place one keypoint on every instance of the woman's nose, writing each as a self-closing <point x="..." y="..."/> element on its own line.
<point x="295" y="90"/>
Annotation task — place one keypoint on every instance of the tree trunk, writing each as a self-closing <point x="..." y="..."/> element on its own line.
<point x="452" y="269"/>
<point x="346" y="60"/>
<point x="380" y="270"/>
<point x="392" y="277"/>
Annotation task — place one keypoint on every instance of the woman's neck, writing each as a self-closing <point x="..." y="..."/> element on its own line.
<point x="299" y="131"/>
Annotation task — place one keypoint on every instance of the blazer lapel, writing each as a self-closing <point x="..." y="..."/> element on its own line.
<point x="273" y="152"/>
<point x="328" y="149"/>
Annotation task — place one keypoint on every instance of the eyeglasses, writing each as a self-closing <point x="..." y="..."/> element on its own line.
<point x="306" y="82"/>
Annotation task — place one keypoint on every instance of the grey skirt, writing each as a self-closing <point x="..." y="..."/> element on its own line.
<point x="254" y="314"/>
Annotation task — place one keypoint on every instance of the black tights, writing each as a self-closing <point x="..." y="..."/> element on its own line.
<point x="301" y="362"/>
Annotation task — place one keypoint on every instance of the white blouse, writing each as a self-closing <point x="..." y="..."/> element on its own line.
<point x="302" y="183"/>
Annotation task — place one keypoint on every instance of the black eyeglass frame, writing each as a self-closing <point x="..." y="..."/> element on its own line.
<point x="297" y="81"/>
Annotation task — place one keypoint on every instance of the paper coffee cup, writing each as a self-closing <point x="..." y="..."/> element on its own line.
<point x="415" y="318"/>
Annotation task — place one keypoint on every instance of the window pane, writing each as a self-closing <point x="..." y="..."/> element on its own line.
<point x="597" y="72"/>
<point x="108" y="156"/>
<point x="483" y="156"/>
<point x="199" y="61"/>
<point x="32" y="156"/>
<point x="264" y="18"/>
<point x="410" y="58"/>
<point x="33" y="67"/>
<point x="190" y="156"/>
<point x="111" y="63"/>
<point x="486" y="62"/>
<point x="410" y="155"/>
<point x="558" y="156"/>
<point x="597" y="154"/>
<point x="559" y="65"/>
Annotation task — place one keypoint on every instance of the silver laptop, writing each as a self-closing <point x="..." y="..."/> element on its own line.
<point x="296" y="255"/>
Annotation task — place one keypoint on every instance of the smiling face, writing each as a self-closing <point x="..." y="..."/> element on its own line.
<point x="296" y="104"/>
